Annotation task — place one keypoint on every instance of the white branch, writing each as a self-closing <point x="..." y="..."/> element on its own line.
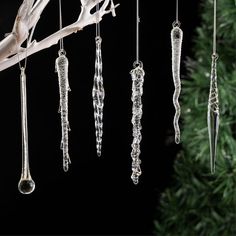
<point x="26" y="18"/>
<point x="28" y="15"/>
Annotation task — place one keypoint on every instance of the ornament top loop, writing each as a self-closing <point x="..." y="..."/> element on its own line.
<point x="22" y="68"/>
<point x="138" y="64"/>
<point x="215" y="56"/>
<point x="62" y="52"/>
<point x="176" y="24"/>
<point x="98" y="39"/>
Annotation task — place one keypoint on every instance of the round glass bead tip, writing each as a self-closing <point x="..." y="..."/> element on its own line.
<point x="26" y="186"/>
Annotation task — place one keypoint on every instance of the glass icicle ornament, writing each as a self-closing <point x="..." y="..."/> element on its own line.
<point x="26" y="184"/>
<point x="176" y="42"/>
<point x="62" y="71"/>
<point x="137" y="75"/>
<point x="98" y="95"/>
<point x="61" y="68"/>
<point x="213" y="113"/>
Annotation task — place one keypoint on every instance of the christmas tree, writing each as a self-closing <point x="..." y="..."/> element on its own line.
<point x="198" y="202"/>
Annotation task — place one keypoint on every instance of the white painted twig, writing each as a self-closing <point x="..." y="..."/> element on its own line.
<point x="27" y="17"/>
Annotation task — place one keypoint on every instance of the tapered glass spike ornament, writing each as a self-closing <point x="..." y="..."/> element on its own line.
<point x="213" y="113"/>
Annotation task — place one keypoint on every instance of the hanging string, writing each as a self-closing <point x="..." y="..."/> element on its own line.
<point x="177" y="11"/>
<point x="60" y="25"/>
<point x="176" y="23"/>
<point x="214" y="30"/>
<point x="28" y="41"/>
<point x="137" y="31"/>
<point x="26" y="55"/>
<point x="25" y="63"/>
<point x="98" y="34"/>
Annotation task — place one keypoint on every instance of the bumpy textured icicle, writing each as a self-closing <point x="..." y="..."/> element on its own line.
<point x="213" y="113"/>
<point x="176" y="42"/>
<point x="62" y="70"/>
<point x="98" y="95"/>
<point x="137" y="75"/>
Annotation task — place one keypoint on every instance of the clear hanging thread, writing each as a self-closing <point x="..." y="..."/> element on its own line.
<point x="176" y="43"/>
<point x="61" y="66"/>
<point x="98" y="92"/>
<point x="137" y="75"/>
<point x="213" y="114"/>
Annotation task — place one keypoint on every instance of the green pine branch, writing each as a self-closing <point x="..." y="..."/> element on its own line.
<point x="199" y="203"/>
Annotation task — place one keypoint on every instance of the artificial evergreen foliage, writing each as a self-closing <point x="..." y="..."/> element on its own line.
<point x="197" y="202"/>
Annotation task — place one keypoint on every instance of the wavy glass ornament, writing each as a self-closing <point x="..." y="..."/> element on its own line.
<point x="98" y="95"/>
<point x="176" y="42"/>
<point x="213" y="113"/>
<point x="62" y="64"/>
<point x="137" y="75"/>
<point x="26" y="184"/>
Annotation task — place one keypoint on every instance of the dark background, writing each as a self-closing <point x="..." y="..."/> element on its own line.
<point x="97" y="195"/>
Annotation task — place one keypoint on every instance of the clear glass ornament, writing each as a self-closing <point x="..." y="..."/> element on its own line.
<point x="26" y="184"/>
<point x="98" y="94"/>
<point x="62" y="64"/>
<point x="213" y="113"/>
<point x="176" y="42"/>
<point x="137" y="75"/>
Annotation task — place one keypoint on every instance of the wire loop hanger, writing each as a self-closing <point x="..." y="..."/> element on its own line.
<point x="214" y="53"/>
<point x="176" y="23"/>
<point x="98" y="31"/>
<point x="61" y="51"/>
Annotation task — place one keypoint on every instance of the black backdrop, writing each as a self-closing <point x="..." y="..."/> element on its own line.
<point x="97" y="195"/>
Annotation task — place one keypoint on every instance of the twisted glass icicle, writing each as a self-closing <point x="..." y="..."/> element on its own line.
<point x="176" y="42"/>
<point x="213" y="113"/>
<point x="137" y="75"/>
<point x="98" y="95"/>
<point x="26" y="184"/>
<point x="62" y="71"/>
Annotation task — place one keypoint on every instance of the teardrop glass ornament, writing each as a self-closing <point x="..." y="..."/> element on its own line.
<point x="26" y="184"/>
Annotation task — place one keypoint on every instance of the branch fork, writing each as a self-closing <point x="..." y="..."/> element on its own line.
<point x="11" y="50"/>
